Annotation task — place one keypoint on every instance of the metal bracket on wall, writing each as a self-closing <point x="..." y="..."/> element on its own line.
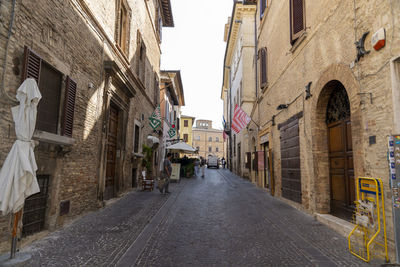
<point x="308" y="90"/>
<point x="368" y="94"/>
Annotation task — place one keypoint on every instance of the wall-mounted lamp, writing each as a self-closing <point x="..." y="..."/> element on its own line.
<point x="360" y="47"/>
<point x="308" y="90"/>
<point x="282" y="106"/>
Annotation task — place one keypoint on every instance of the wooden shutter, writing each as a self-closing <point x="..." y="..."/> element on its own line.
<point x="263" y="6"/>
<point x="263" y="67"/>
<point x="32" y="65"/>
<point x="69" y="106"/>
<point x="297" y="19"/>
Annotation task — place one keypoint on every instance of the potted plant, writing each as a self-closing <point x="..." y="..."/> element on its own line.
<point x="147" y="161"/>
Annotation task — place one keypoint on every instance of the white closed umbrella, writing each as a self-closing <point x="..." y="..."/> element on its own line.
<point x="18" y="174"/>
<point x="181" y="146"/>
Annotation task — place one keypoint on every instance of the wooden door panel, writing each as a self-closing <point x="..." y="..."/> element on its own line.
<point x="290" y="161"/>
<point x="111" y="152"/>
<point x="341" y="169"/>
<point x="338" y="184"/>
<point x="349" y="142"/>
<point x="336" y="143"/>
<point x="350" y="164"/>
<point x="337" y="163"/>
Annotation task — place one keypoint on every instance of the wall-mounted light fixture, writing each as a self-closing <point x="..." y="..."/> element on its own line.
<point x="282" y="106"/>
<point x="360" y="47"/>
<point x="308" y="90"/>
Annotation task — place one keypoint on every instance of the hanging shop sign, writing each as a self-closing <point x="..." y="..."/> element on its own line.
<point x="264" y="139"/>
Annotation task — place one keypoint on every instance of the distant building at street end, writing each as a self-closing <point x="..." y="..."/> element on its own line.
<point x="186" y="126"/>
<point x="206" y="140"/>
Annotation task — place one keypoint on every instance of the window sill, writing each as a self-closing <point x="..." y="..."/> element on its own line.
<point x="264" y="87"/>
<point x="51" y="138"/>
<point x="137" y="155"/>
<point x="298" y="42"/>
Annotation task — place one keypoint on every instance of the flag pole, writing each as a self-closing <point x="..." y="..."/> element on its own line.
<point x="255" y="123"/>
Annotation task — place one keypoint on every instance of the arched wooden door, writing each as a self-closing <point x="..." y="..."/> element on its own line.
<point x="341" y="167"/>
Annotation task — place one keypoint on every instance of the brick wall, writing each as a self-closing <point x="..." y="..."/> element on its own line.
<point x="325" y="54"/>
<point x="76" y="39"/>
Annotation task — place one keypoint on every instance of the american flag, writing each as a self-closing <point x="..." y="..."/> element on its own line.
<point x="240" y="119"/>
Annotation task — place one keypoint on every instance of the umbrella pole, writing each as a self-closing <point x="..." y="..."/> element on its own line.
<point x="17" y="217"/>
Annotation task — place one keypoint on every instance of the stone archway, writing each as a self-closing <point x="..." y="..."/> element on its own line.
<point x="320" y="182"/>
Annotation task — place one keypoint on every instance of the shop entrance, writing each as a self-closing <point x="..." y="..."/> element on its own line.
<point x="341" y="169"/>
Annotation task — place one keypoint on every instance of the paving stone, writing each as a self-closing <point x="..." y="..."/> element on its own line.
<point x="219" y="220"/>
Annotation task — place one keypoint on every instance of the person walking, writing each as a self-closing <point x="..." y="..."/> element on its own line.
<point x="196" y="167"/>
<point x="202" y="166"/>
<point x="167" y="174"/>
<point x="223" y="162"/>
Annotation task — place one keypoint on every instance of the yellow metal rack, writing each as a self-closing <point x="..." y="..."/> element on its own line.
<point x="367" y="239"/>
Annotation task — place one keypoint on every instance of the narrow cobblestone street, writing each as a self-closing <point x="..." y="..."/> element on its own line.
<point x="219" y="220"/>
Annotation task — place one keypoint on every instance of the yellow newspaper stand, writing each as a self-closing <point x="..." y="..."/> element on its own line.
<point x="368" y="238"/>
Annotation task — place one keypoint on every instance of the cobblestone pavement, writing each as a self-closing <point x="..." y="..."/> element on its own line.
<point x="219" y="220"/>
<point x="223" y="220"/>
<point x="102" y="237"/>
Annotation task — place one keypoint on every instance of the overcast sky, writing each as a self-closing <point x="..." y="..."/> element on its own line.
<point x="196" y="47"/>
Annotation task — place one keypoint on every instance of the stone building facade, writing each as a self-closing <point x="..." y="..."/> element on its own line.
<point x="206" y="140"/>
<point x="239" y="87"/>
<point x="171" y="101"/>
<point x="324" y="108"/>
<point x="186" y="129"/>
<point x="97" y="67"/>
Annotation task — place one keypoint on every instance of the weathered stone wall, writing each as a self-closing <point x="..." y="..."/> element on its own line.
<point x="325" y="54"/>
<point x="66" y="35"/>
